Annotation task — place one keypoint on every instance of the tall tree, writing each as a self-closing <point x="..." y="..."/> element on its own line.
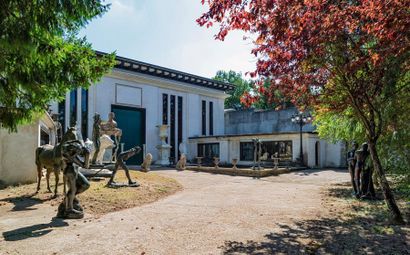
<point x="331" y="55"/>
<point x="41" y="57"/>
<point x="242" y="86"/>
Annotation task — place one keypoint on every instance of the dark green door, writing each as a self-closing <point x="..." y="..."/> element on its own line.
<point x="132" y="123"/>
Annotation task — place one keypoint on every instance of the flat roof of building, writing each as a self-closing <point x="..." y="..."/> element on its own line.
<point x="167" y="73"/>
<point x="253" y="134"/>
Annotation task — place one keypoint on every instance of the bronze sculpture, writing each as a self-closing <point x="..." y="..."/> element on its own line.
<point x="70" y="208"/>
<point x="363" y="173"/>
<point x="351" y="164"/>
<point x="96" y="136"/>
<point x="122" y="157"/>
<point x="110" y="128"/>
<point x="50" y="158"/>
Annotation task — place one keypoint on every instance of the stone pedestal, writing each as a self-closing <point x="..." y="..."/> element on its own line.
<point x="164" y="149"/>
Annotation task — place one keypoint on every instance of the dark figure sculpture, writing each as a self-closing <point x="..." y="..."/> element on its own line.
<point x="351" y="163"/>
<point x="50" y="158"/>
<point x="96" y="136"/>
<point x="363" y="173"/>
<point x="121" y="163"/>
<point x="77" y="183"/>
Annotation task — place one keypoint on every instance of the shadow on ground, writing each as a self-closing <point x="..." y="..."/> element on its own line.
<point x="33" y="231"/>
<point x="24" y="203"/>
<point x="329" y="236"/>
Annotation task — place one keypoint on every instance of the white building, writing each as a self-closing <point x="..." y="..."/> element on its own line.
<point x="143" y="96"/>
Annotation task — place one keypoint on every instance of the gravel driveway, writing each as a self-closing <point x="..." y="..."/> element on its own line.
<point x="210" y="211"/>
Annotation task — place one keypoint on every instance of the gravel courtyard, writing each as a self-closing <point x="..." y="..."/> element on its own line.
<point x="213" y="214"/>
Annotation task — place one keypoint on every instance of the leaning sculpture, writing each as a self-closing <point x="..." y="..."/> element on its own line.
<point x="120" y="163"/>
<point x="50" y="158"/>
<point x="70" y="208"/>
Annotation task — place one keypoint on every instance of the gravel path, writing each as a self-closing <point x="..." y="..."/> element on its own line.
<point x="211" y="210"/>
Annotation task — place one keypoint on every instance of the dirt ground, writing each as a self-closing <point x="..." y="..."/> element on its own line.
<point x="307" y="212"/>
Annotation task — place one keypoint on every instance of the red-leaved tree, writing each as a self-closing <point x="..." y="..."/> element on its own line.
<point x="326" y="54"/>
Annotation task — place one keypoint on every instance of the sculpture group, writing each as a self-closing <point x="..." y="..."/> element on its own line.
<point x="361" y="172"/>
<point x="72" y="154"/>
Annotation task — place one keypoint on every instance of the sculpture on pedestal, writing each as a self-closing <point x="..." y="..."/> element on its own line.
<point x="70" y="208"/>
<point x="234" y="162"/>
<point x="181" y="164"/>
<point x="146" y="165"/>
<point x="164" y="148"/>
<point x="257" y="151"/>
<point x="121" y="163"/>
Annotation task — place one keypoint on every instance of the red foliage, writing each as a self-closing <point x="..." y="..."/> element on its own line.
<point x="292" y="34"/>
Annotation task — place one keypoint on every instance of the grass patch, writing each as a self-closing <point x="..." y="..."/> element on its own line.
<point x="98" y="199"/>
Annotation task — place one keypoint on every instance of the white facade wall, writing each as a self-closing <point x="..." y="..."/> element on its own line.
<point x="330" y="155"/>
<point x="147" y="93"/>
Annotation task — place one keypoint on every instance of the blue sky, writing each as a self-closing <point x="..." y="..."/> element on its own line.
<point x="164" y="32"/>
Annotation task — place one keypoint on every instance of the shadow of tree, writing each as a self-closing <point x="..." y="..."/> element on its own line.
<point x="23" y="203"/>
<point x="326" y="236"/>
<point x="33" y="231"/>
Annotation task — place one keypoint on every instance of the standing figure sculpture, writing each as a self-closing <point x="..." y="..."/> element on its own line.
<point x="110" y="128"/>
<point x="351" y="164"/>
<point x="70" y="208"/>
<point x="121" y="163"/>
<point x="363" y="173"/>
<point x="96" y="136"/>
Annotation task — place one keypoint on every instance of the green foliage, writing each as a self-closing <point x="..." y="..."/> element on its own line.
<point x="241" y="86"/>
<point x="40" y="56"/>
<point x="394" y="143"/>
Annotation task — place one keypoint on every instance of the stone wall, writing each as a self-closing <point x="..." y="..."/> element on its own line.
<point x="260" y="121"/>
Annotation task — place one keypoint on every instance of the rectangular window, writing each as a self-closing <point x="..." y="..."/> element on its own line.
<point x="211" y="118"/>
<point x="246" y="151"/>
<point x="61" y="116"/>
<point x="84" y="113"/>
<point x="180" y="122"/>
<point x="44" y="137"/>
<point x="164" y="109"/>
<point x="73" y="108"/>
<point x="208" y="150"/>
<point x="203" y="117"/>
<point x="283" y="150"/>
<point x="172" y="135"/>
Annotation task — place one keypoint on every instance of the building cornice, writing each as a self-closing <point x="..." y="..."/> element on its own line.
<point x="164" y="83"/>
<point x="140" y="67"/>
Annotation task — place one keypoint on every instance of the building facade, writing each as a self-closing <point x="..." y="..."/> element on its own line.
<point x="143" y="96"/>
<point x="279" y="136"/>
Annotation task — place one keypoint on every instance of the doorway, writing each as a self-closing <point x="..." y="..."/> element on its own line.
<point x="131" y="121"/>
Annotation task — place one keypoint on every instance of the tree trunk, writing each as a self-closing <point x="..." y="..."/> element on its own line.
<point x="388" y="195"/>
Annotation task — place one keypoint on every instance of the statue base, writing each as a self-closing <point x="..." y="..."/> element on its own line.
<point x="120" y="185"/>
<point x="76" y="213"/>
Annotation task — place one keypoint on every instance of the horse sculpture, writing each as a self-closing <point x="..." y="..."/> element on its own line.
<point x="50" y="158"/>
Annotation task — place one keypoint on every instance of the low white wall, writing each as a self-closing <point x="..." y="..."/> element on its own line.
<point x="17" y="152"/>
